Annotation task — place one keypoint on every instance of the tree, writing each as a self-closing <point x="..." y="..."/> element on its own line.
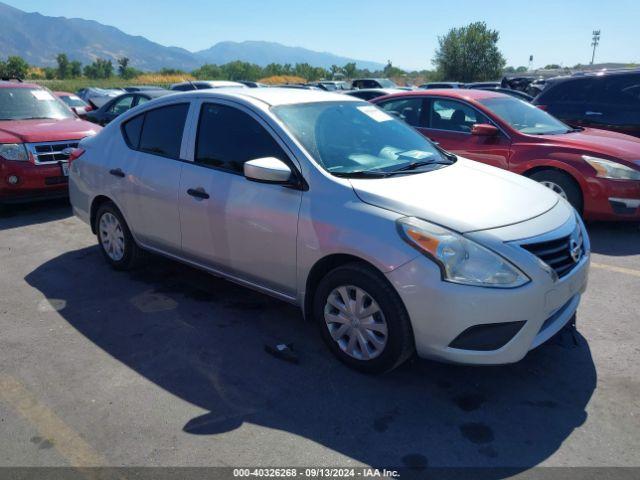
<point x="64" y="69"/>
<point x="552" y="66"/>
<point x="208" y="72"/>
<point x="521" y="69"/>
<point x="14" y="67"/>
<point x="350" y="69"/>
<point x="469" y="54"/>
<point x="99" y="69"/>
<point x="391" y="71"/>
<point x="123" y="64"/>
<point x="75" y="69"/>
<point x="50" y="73"/>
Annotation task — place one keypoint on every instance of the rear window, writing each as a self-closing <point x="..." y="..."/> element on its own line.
<point x="158" y="131"/>
<point x="162" y="130"/>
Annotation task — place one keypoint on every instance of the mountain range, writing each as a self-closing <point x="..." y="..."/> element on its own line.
<point x="39" y="38"/>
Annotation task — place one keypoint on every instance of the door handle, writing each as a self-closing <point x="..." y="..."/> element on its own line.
<point x="116" y="172"/>
<point x="198" y="193"/>
<point x="589" y="112"/>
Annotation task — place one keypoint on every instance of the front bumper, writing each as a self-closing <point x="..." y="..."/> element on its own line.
<point x="35" y="182"/>
<point x="441" y="311"/>
<point x="607" y="199"/>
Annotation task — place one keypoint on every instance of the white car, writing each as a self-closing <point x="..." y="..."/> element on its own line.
<point x="389" y="244"/>
<point x="205" y="84"/>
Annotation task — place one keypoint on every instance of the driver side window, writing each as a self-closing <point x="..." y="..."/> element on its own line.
<point x="454" y="116"/>
<point x="121" y="105"/>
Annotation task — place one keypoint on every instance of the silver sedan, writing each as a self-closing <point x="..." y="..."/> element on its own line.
<point x="392" y="246"/>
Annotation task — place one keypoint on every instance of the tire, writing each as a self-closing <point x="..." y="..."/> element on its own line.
<point x="563" y="181"/>
<point x="356" y="280"/>
<point x="115" y="239"/>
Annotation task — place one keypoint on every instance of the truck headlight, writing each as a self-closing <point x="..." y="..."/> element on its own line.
<point x="14" y="151"/>
<point x="610" y="169"/>
<point x="460" y="259"/>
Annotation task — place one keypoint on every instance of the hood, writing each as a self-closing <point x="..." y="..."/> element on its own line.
<point x="599" y="142"/>
<point x="465" y="197"/>
<point x="49" y="130"/>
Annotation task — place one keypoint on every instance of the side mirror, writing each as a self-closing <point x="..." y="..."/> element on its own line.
<point x="267" y="170"/>
<point x="484" y="130"/>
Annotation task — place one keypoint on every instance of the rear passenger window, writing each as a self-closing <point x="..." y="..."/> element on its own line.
<point x="132" y="130"/>
<point x="162" y="130"/>
<point x="407" y="109"/>
<point x="228" y="137"/>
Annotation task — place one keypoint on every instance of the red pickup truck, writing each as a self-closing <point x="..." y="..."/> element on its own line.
<point x="38" y="133"/>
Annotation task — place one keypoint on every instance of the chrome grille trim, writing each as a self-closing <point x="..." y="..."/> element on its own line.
<point x="562" y="254"/>
<point x="50" y="152"/>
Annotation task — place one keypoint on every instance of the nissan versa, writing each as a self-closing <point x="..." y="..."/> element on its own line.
<point x="388" y="243"/>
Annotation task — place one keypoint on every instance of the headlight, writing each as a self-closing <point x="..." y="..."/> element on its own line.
<point x="460" y="259"/>
<point x="14" y="151"/>
<point x="609" y="169"/>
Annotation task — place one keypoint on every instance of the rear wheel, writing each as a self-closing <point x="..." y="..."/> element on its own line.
<point x="362" y="319"/>
<point x="561" y="183"/>
<point x="115" y="239"/>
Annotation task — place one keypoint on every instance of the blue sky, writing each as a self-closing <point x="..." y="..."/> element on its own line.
<point x="405" y="32"/>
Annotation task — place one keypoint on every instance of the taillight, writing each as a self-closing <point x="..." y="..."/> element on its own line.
<point x="542" y="107"/>
<point x="75" y="154"/>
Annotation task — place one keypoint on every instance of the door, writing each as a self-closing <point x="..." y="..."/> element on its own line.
<point x="449" y="122"/>
<point x="154" y="174"/>
<point x="616" y="106"/>
<point x="244" y="228"/>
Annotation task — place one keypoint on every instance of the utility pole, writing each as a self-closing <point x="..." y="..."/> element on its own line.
<point x="595" y="41"/>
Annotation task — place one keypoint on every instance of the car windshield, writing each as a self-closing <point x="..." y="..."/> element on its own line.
<point x="525" y="117"/>
<point x="349" y="138"/>
<point x="27" y="103"/>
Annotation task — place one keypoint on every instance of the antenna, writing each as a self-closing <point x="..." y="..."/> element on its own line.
<point x="595" y="41"/>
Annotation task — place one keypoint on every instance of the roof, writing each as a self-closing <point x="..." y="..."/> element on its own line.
<point x="153" y="93"/>
<point x="10" y="84"/>
<point x="63" y="94"/>
<point x="279" y="96"/>
<point x="462" y="93"/>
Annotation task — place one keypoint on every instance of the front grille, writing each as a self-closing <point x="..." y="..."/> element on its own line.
<point x="51" y="152"/>
<point x="558" y="253"/>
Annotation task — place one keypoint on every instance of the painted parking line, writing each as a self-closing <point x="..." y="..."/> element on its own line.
<point x="613" y="268"/>
<point x="65" y="440"/>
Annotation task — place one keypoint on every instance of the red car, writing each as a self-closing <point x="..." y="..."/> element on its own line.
<point x="598" y="171"/>
<point x="37" y="135"/>
<point x="75" y="103"/>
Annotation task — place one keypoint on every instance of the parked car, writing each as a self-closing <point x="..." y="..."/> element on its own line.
<point x="74" y="102"/>
<point x="205" y="84"/>
<point x="96" y="97"/>
<point x="596" y="171"/>
<point x="371" y="93"/>
<point x="118" y="105"/>
<point x="331" y="85"/>
<point x="482" y="85"/>
<point x="360" y="83"/>
<point x="608" y="100"/>
<point x="390" y="245"/>
<point x="434" y="85"/>
<point x="252" y="84"/>
<point x="142" y="88"/>
<point x="37" y="133"/>
<point x="507" y="91"/>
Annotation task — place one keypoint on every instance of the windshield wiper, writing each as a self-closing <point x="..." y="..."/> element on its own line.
<point x="360" y="174"/>
<point x="415" y="165"/>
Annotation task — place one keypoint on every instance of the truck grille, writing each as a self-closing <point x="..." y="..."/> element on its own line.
<point x="51" y="152"/>
<point x="561" y="254"/>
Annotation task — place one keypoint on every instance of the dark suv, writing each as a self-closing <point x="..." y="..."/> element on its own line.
<point x="607" y="100"/>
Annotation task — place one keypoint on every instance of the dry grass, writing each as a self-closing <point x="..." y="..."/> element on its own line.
<point x="279" y="79"/>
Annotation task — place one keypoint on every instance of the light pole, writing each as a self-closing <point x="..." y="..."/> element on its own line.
<point x="594" y="44"/>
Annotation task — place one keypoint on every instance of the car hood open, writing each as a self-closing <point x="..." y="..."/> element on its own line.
<point x="467" y="196"/>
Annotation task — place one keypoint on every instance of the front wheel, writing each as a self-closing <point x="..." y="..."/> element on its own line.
<point x="115" y="239"/>
<point x="561" y="183"/>
<point x="362" y="319"/>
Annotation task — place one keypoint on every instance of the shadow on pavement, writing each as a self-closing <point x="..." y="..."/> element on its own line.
<point x="202" y="339"/>
<point x="615" y="239"/>
<point x="24" y="214"/>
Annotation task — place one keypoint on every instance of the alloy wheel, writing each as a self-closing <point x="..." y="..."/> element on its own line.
<point x="555" y="187"/>
<point x="356" y="322"/>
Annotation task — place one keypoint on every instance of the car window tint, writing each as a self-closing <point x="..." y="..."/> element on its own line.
<point x="407" y="109"/>
<point x="454" y="116"/>
<point x="621" y="90"/>
<point x="228" y="137"/>
<point x="142" y="100"/>
<point x="578" y="90"/>
<point x="121" y="105"/>
<point x="132" y="129"/>
<point x="162" y="130"/>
